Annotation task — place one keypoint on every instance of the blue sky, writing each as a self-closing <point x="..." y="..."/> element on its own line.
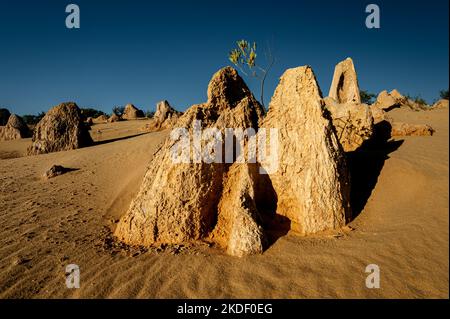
<point x="141" y="52"/>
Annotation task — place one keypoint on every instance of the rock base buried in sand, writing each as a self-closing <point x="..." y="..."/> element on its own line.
<point x="405" y="129"/>
<point x="344" y="86"/>
<point x="311" y="184"/>
<point x="353" y="123"/>
<point x="178" y="203"/>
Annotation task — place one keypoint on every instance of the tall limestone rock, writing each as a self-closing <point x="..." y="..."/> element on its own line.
<point x="179" y="202"/>
<point x="312" y="183"/>
<point x="61" y="129"/>
<point x="344" y="87"/>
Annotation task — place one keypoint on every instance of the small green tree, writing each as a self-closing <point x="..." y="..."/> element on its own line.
<point x="244" y="57"/>
<point x="367" y="97"/>
<point x="118" y="110"/>
<point x="444" y="94"/>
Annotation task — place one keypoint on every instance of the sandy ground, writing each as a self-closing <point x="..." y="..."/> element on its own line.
<point x="46" y="225"/>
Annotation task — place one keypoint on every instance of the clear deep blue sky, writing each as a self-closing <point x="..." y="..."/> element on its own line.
<point x="141" y="52"/>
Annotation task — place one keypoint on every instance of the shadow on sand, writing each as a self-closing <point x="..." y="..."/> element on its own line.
<point x="117" y="139"/>
<point x="365" y="165"/>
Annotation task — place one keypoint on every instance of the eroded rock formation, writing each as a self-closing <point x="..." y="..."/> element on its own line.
<point x="179" y="202"/>
<point x="353" y="123"/>
<point x="14" y="129"/>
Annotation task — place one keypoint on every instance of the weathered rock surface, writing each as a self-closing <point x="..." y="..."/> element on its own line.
<point x="344" y="87"/>
<point x="386" y="101"/>
<point x="353" y="123"/>
<point x="61" y="129"/>
<point x="312" y="182"/>
<point x="131" y="112"/>
<point x="378" y="114"/>
<point x="9" y="133"/>
<point x="238" y="228"/>
<point x="405" y="129"/>
<point x="225" y="203"/>
<point x="178" y="202"/>
<point x="101" y="119"/>
<point x="17" y="122"/>
<point x="14" y="129"/>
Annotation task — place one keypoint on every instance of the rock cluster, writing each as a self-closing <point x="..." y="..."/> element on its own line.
<point x="15" y="128"/>
<point x="226" y="202"/>
<point x="61" y="129"/>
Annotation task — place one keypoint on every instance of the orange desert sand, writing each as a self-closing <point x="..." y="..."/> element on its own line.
<point x="47" y="224"/>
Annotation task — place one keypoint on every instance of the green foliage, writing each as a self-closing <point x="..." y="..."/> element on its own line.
<point x="149" y="114"/>
<point x="367" y="97"/>
<point x="91" y="112"/>
<point x="4" y="116"/>
<point x="118" y="110"/>
<point x="244" y="57"/>
<point x="444" y="94"/>
<point x="33" y="119"/>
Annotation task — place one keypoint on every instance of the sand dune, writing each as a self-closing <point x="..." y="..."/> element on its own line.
<point x="48" y="224"/>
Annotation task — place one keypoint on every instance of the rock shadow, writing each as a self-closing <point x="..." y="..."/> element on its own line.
<point x="365" y="165"/>
<point x="275" y="226"/>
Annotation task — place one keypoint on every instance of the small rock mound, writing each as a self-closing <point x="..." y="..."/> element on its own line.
<point x="56" y="170"/>
<point x="4" y="116"/>
<point x="312" y="183"/>
<point x="131" y="112"/>
<point x="353" y="123"/>
<point x="61" y="129"/>
<point x="441" y="104"/>
<point x="114" y="118"/>
<point x="229" y="204"/>
<point x="344" y="87"/>
<point x="405" y="129"/>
